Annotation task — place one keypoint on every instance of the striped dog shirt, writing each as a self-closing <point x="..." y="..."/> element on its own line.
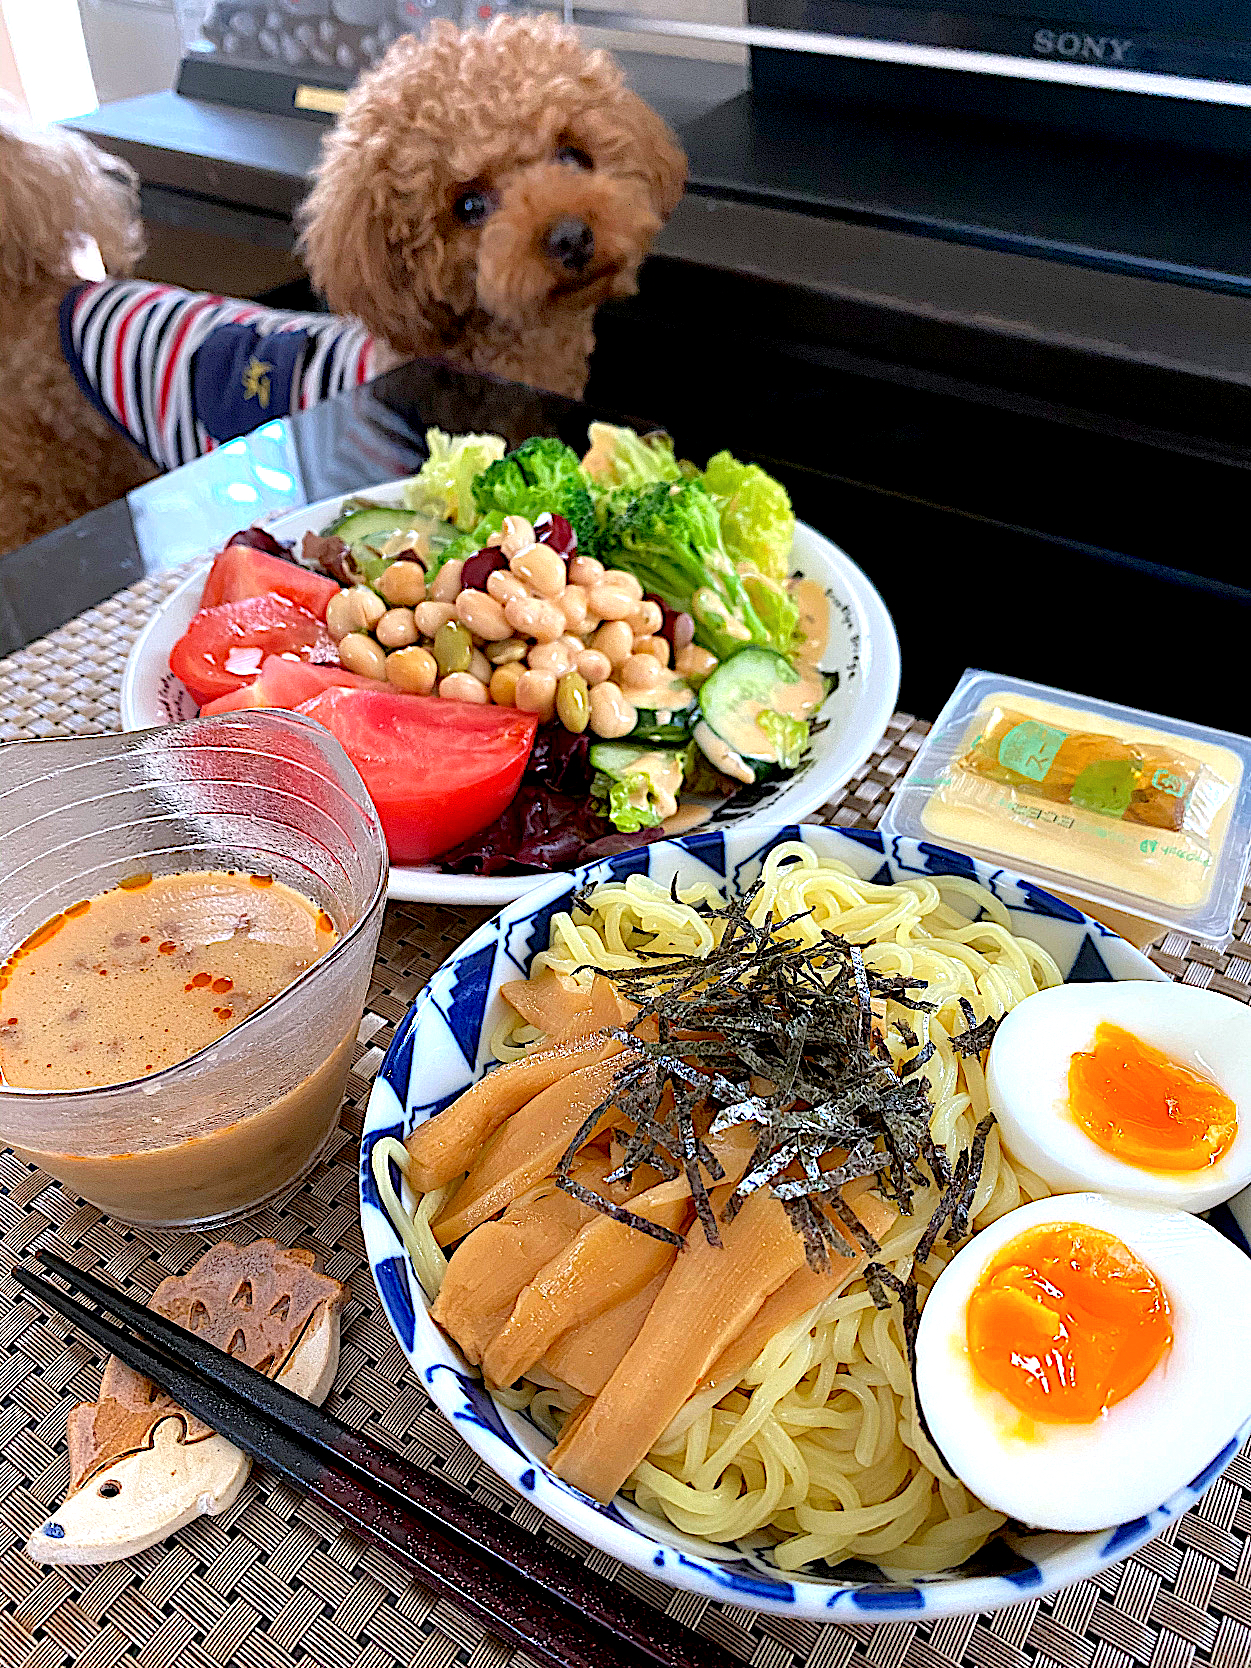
<point x="180" y="373"/>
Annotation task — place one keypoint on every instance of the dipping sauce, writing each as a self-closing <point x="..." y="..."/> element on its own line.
<point x="141" y="977"/>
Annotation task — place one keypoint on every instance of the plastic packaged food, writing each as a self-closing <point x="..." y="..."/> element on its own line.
<point x="1145" y="821"/>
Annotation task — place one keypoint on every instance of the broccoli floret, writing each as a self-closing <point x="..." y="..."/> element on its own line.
<point x="542" y="474"/>
<point x="669" y="538"/>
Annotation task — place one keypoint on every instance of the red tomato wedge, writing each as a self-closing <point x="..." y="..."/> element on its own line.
<point x="223" y="647"/>
<point x="437" y="771"/>
<point x="285" y="683"/>
<point x="241" y="572"/>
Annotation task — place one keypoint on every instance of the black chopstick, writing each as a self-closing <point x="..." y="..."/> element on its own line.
<point x="515" y="1584"/>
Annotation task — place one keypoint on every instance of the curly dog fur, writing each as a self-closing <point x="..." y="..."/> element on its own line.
<point x="487" y="115"/>
<point x="58" y="457"/>
<point x="539" y="132"/>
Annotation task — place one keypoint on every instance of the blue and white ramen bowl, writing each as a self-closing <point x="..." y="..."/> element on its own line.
<point x="443" y="1045"/>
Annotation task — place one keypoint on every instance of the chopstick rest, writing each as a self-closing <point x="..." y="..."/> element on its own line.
<point x="140" y="1465"/>
<point x="521" y="1589"/>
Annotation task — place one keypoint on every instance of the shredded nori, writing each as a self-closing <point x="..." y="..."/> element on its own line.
<point x="782" y="1036"/>
<point x="977" y="1038"/>
<point x="786" y="1037"/>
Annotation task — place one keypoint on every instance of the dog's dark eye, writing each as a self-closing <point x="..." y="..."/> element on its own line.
<point x="471" y="208"/>
<point x="574" y="157"/>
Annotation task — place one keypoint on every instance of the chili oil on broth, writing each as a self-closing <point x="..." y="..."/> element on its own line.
<point x="816" y="1452"/>
<point x="120" y="987"/>
<point x="144" y="976"/>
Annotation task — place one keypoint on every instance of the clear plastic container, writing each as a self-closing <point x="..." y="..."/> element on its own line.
<point x="1144" y="821"/>
<point x="237" y="1123"/>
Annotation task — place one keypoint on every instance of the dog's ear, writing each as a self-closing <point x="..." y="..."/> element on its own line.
<point x="344" y="242"/>
<point x="57" y="191"/>
<point x="366" y="225"/>
<point x="661" y="157"/>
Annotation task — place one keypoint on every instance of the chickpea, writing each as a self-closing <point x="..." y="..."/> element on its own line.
<point x="594" y="666"/>
<point x="531" y="617"/>
<point x="431" y="615"/>
<point x="414" y="671"/>
<point x="624" y="582"/>
<point x="694" y="663"/>
<point x="584" y="570"/>
<point x="657" y="647"/>
<point x="505" y="653"/>
<point x="504" y="586"/>
<point x="480" y="667"/>
<point x="573" y="703"/>
<point x="641" y="671"/>
<point x="504" y="681"/>
<point x="453" y="648"/>
<point x="357" y="609"/>
<point x="403" y="584"/>
<point x="573" y="605"/>
<point x="611" y="602"/>
<point x="480" y="613"/>
<point x="445" y="586"/>
<point x="536" y="692"/>
<point x="461" y="686"/>
<point x="397" y="628"/>
<point x="615" y="640"/>
<point x="494" y="541"/>
<point x="574" y="643"/>
<point x="611" y="714"/>
<point x="542" y="570"/>
<point x="360" y="654"/>
<point x="647" y="619"/>
<point x="551" y="657"/>
<point x="516" y="535"/>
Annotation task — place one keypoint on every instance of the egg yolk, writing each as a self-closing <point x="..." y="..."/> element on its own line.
<point x="1136" y="1103"/>
<point x="1065" y="1321"/>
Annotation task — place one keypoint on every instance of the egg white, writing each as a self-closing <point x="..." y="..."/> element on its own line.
<point x="1027" y="1082"/>
<point x="1123" y="1465"/>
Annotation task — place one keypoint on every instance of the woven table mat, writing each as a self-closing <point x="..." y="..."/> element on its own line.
<point x="274" y="1581"/>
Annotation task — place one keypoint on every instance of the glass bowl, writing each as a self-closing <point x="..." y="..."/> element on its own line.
<point x="218" y="1134"/>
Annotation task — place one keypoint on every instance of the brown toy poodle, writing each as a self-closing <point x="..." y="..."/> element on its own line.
<point x="483" y="193"/>
<point x="58" y="457"/>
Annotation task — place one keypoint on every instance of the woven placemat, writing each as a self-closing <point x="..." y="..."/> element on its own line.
<point x="274" y="1581"/>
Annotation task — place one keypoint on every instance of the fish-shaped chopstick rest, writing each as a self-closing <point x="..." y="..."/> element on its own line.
<point x="140" y="1466"/>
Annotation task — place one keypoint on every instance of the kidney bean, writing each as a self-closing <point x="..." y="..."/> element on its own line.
<point x="478" y="569"/>
<point x="555" y="531"/>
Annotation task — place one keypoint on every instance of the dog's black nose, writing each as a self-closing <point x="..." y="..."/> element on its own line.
<point x="570" y="242"/>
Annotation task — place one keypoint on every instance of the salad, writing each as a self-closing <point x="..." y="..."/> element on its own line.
<point x="534" y="659"/>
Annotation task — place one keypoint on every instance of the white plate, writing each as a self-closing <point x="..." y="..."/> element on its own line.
<point x="863" y="650"/>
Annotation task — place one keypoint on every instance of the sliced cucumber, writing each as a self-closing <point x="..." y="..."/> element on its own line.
<point x="618" y="758"/>
<point x="640" y="784"/>
<point x="362" y="520"/>
<point x="675" y="731"/>
<point x="732" y="700"/>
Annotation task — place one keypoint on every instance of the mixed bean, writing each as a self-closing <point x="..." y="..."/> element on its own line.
<point x="526" y="622"/>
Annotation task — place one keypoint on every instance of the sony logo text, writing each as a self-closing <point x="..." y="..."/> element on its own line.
<point x="1099" y="49"/>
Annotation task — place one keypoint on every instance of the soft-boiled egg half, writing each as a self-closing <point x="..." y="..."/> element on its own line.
<point x="1083" y="1358"/>
<point x="1138" y="1089"/>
